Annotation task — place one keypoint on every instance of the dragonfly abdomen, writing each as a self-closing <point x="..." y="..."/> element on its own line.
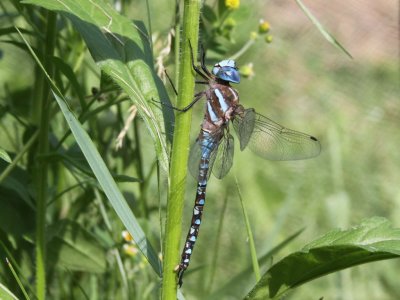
<point x="207" y="146"/>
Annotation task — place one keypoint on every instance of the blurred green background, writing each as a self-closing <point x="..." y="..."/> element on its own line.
<point x="300" y="81"/>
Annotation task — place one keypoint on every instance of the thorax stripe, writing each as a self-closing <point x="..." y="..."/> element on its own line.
<point x="221" y="100"/>
<point x="213" y="115"/>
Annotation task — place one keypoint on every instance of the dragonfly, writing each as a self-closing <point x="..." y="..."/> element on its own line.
<point x="214" y="146"/>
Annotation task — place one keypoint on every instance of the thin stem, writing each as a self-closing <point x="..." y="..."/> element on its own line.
<point x="17" y="279"/>
<point x="41" y="165"/>
<point x="177" y="41"/>
<point x="149" y="24"/>
<point x="179" y="154"/>
<point x="254" y="260"/>
<point x="243" y="49"/>
<point x="17" y="158"/>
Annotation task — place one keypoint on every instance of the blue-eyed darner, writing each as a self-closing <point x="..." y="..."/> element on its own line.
<point x="213" y="150"/>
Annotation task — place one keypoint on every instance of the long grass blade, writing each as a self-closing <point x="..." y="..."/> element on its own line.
<point x="329" y="37"/>
<point x="253" y="252"/>
<point x="18" y="280"/>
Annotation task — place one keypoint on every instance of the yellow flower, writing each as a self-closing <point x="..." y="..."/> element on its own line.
<point x="127" y="236"/>
<point x="263" y="27"/>
<point x="232" y="4"/>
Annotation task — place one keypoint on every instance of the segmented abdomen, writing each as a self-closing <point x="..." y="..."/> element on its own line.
<point x="207" y="146"/>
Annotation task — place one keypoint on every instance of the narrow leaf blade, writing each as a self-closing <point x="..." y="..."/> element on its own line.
<point x="321" y="28"/>
<point x="4" y="156"/>
<point x="109" y="186"/>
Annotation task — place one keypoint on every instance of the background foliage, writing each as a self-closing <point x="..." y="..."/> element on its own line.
<point x="299" y="80"/>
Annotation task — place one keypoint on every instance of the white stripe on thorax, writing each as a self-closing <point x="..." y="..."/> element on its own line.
<point x="221" y="100"/>
<point x="213" y="116"/>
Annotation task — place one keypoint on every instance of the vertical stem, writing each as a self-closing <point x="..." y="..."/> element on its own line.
<point x="179" y="154"/>
<point x="177" y="40"/>
<point x="253" y="253"/>
<point x="40" y="163"/>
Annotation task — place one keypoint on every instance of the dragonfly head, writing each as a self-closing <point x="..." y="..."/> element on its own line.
<point x="227" y="70"/>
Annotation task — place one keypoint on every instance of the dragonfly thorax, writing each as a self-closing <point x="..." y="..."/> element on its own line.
<point x="227" y="70"/>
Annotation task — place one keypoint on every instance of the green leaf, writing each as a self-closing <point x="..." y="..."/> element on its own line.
<point x="109" y="186"/>
<point x="4" y="155"/>
<point x="321" y="29"/>
<point x="17" y="183"/>
<point x="372" y="240"/>
<point x="5" y="293"/>
<point x="209" y="14"/>
<point x="122" y="50"/>
<point x="75" y="248"/>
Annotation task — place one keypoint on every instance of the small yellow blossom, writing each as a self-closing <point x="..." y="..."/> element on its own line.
<point x="232" y="4"/>
<point x="127" y="236"/>
<point x="264" y="26"/>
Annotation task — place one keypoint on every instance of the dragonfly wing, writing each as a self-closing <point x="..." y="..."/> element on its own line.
<point x="224" y="158"/>
<point x="272" y="141"/>
<point x="244" y="126"/>
<point x="204" y="146"/>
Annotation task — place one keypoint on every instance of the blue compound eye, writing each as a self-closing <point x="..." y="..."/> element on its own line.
<point x="227" y="70"/>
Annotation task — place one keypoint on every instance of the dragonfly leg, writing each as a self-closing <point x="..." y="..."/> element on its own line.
<point x="203" y="58"/>
<point x="171" y="83"/>
<point x="197" y="97"/>
<point x="195" y="68"/>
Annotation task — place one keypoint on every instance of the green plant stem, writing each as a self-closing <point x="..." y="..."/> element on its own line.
<point x="41" y="166"/>
<point x="17" y="279"/>
<point x="253" y="253"/>
<point x="177" y="41"/>
<point x="243" y="49"/>
<point x="180" y="146"/>
<point x="18" y="157"/>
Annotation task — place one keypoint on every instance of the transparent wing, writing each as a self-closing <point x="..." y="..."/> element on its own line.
<point x="272" y="141"/>
<point x="224" y="158"/>
<point x="209" y="145"/>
